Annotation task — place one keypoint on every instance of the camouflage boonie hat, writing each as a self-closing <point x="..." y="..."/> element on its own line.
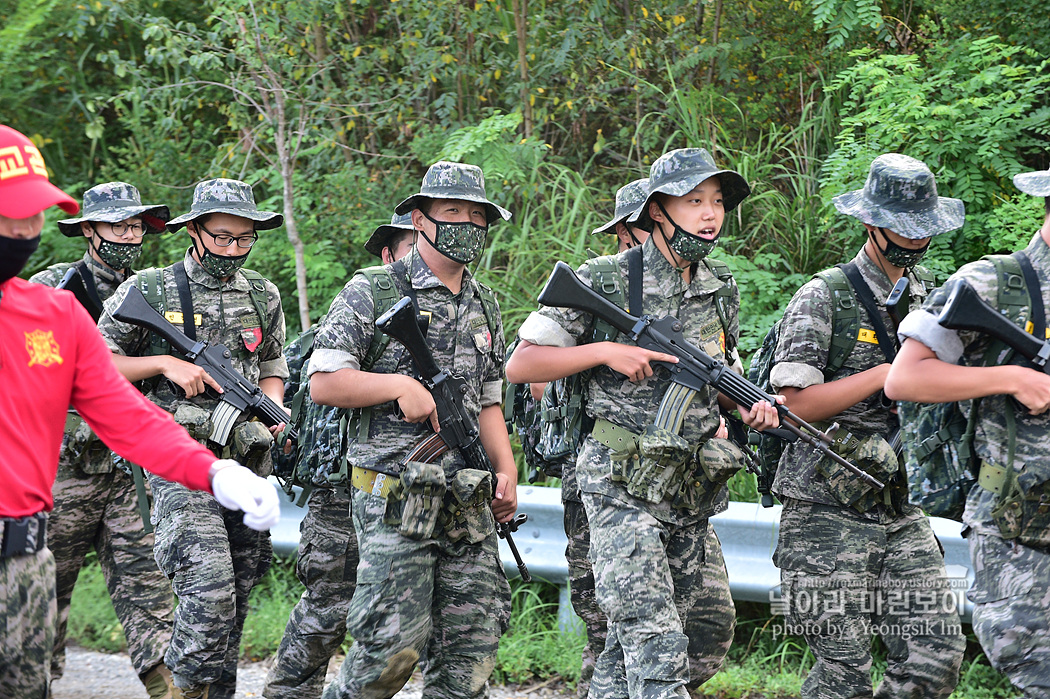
<point x="381" y="236"/>
<point x="677" y="172"/>
<point x="629" y="198"/>
<point x="113" y="202"/>
<point x="1035" y="183"/>
<point x="223" y="196"/>
<point x="901" y="195"/>
<point x="445" y="180"/>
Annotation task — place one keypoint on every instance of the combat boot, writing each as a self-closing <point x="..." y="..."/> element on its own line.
<point x="196" y="693"/>
<point x="158" y="682"/>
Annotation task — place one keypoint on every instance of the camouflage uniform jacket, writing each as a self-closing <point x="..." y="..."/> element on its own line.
<point x="457" y="334"/>
<point x="228" y="317"/>
<point x="106" y="280"/>
<point x="801" y="357"/>
<point x="632" y="405"/>
<point x="1031" y="458"/>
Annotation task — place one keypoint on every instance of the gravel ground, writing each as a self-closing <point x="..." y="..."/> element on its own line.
<point x="91" y="675"/>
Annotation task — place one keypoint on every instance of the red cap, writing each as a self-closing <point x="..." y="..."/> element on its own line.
<point x="24" y="187"/>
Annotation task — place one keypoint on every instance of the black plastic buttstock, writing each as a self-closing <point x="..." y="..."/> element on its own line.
<point x="565" y="290"/>
<point x="966" y="310"/>
<point x="893" y="301"/>
<point x="400" y="323"/>
<point x="135" y="309"/>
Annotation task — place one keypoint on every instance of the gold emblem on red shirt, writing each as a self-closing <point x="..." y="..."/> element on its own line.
<point x="42" y="348"/>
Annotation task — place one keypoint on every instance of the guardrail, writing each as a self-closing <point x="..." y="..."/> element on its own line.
<point x="748" y="533"/>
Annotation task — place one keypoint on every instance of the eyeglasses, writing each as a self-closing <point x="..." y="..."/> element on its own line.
<point x="120" y="229"/>
<point x="225" y="241"/>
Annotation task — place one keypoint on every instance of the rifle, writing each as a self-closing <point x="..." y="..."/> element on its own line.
<point x="457" y="429"/>
<point x="74" y="281"/>
<point x="965" y="310"/>
<point x="892" y="308"/>
<point x="238" y="394"/>
<point x="695" y="368"/>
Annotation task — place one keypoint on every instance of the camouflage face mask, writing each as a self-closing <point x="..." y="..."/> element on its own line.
<point x="117" y="255"/>
<point x="898" y="256"/>
<point x="688" y="246"/>
<point x="221" y="266"/>
<point x="460" y="242"/>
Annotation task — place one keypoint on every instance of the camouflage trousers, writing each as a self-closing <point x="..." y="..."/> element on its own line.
<point x="27" y="624"/>
<point x="447" y="602"/>
<point x="213" y="560"/>
<point x="327" y="566"/>
<point x="1011" y="595"/>
<point x="709" y="626"/>
<point x="845" y="578"/>
<point x="100" y="511"/>
<point x="648" y="578"/>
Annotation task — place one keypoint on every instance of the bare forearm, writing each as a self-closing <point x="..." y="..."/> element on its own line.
<point x="494" y="438"/>
<point x="539" y="363"/>
<point x="351" y="388"/>
<point x="139" y="368"/>
<point x="273" y="387"/>
<point x="825" y="400"/>
<point x="918" y="375"/>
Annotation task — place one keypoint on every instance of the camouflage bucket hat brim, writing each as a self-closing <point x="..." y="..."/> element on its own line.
<point x="901" y="194"/>
<point x="224" y="196"/>
<point x="629" y="198"/>
<point x="113" y="202"/>
<point x="678" y="172"/>
<point x="382" y="235"/>
<point x="1035" y="183"/>
<point x="445" y="180"/>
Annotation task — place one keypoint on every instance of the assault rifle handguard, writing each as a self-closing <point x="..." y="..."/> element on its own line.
<point x="238" y="394"/>
<point x="695" y="368"/>
<point x="457" y="429"/>
<point x="966" y="310"/>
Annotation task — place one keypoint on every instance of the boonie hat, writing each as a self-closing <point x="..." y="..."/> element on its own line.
<point x="223" y="196"/>
<point x="629" y="198"/>
<point x="113" y="202"/>
<point x="381" y="236"/>
<point x="901" y="194"/>
<point x="1035" y="183"/>
<point x="445" y="180"/>
<point x="25" y="189"/>
<point x="677" y="172"/>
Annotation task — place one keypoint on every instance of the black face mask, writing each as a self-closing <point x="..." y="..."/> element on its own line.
<point x="904" y="258"/>
<point x="14" y="253"/>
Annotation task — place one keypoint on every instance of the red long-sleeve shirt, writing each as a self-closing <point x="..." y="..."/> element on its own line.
<point x="52" y="356"/>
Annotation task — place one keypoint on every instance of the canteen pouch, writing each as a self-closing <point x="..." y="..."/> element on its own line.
<point x="414" y="504"/>
<point x="720" y="459"/>
<point x="77" y="443"/>
<point x="250" y="444"/>
<point x="1024" y="515"/>
<point x="196" y="420"/>
<point x="665" y="458"/>
<point x="873" y="455"/>
<point x="467" y="514"/>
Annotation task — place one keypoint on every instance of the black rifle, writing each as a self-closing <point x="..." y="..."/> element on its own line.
<point x="695" y="368"/>
<point x="965" y="310"/>
<point x="74" y="281"/>
<point x="893" y="302"/>
<point x="238" y="394"/>
<point x="457" y="429"/>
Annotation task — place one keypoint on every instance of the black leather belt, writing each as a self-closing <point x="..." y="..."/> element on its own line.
<point x="23" y="536"/>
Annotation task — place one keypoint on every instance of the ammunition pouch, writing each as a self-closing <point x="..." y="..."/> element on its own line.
<point x="414" y="503"/>
<point x="250" y="444"/>
<point x="871" y="454"/>
<point x="665" y="460"/>
<point x="1023" y="515"/>
<point x="77" y="442"/>
<point x="719" y="459"/>
<point x="466" y="513"/>
<point x="196" y="420"/>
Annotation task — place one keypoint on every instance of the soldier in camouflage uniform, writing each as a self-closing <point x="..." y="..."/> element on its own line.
<point x="326" y="562"/>
<point x="211" y="557"/>
<point x="648" y="545"/>
<point x="855" y="561"/>
<point x="95" y="501"/>
<point x="1005" y="520"/>
<point x="430" y="581"/>
<point x="710" y="626"/>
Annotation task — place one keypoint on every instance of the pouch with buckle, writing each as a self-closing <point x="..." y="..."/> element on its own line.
<point x="873" y="455"/>
<point x="1024" y="516"/>
<point x="414" y="503"/>
<point x="665" y="458"/>
<point x="467" y="514"/>
<point x="250" y="444"/>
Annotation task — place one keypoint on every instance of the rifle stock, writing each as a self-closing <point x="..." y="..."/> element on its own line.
<point x="966" y="310"/>
<point x="73" y="282"/>
<point x="695" y="368"/>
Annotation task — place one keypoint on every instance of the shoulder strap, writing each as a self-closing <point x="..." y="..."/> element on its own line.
<point x="182" y="283"/>
<point x="867" y="299"/>
<point x="845" y="319"/>
<point x="1012" y="299"/>
<point x="258" y="295"/>
<point x="151" y="284"/>
<point x="635" y="271"/>
<point x="723" y="296"/>
<point x="1037" y="317"/>
<point x="384" y="295"/>
<point x="607" y="281"/>
<point x="490" y="305"/>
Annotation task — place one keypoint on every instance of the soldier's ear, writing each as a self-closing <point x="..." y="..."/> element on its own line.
<point x="655" y="213"/>
<point x="85" y="228"/>
<point x="417" y="219"/>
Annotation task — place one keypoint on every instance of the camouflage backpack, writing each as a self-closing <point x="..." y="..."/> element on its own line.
<point x="552" y="428"/>
<point x="845" y="325"/>
<point x="937" y="438"/>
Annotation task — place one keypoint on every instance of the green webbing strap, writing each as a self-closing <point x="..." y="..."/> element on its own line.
<point x="845" y="319"/>
<point x="613" y="436"/>
<point x="140" y="493"/>
<point x="257" y="293"/>
<point x="151" y="284"/>
<point x="606" y="280"/>
<point x="723" y="296"/>
<point x="490" y="306"/>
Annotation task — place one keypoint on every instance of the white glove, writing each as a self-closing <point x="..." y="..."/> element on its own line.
<point x="237" y="488"/>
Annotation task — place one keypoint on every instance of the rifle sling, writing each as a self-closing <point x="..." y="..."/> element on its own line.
<point x="182" y="282"/>
<point x="634" y="280"/>
<point x="867" y="299"/>
<point x="1035" y="294"/>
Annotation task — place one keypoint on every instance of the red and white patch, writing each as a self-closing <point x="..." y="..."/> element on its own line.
<point x="252" y="338"/>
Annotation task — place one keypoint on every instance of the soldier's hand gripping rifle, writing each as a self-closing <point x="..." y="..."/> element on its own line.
<point x="457" y="429"/>
<point x="965" y="310"/>
<point x="238" y="393"/>
<point x="695" y="368"/>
